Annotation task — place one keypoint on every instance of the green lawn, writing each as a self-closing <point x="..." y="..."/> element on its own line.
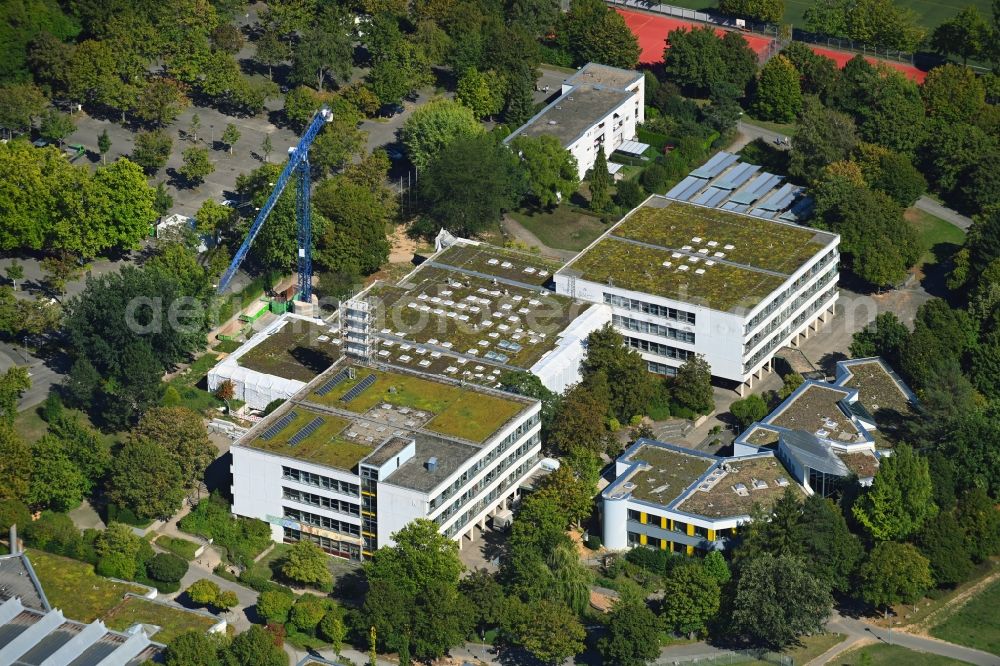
<point x="30" y="426"/>
<point x="938" y="237"/>
<point x="73" y="586"/>
<point x="180" y="547"/>
<point x="172" y="621"/>
<point x="562" y="228"/>
<point x="881" y="654"/>
<point x="976" y="624"/>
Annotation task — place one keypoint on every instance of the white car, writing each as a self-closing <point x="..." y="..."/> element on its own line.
<point x="229" y="202"/>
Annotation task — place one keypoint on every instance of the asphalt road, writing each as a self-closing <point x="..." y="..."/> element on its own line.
<point x="928" y="205"/>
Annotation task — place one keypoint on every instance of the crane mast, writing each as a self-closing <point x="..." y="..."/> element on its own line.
<point x="298" y="164"/>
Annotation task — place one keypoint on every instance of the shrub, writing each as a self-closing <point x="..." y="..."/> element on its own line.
<point x="594" y="542"/>
<point x="203" y="592"/>
<point x="307" y="613"/>
<point x="55" y="533"/>
<point x="117" y="514"/>
<point x="52" y="408"/>
<point x="167" y="568"/>
<point x="273" y="405"/>
<point x="242" y="538"/>
<point x="180" y="547"/>
<point x="14" y="512"/>
<point x="225" y="600"/>
<point x="273" y="606"/>
<point x="117" y="565"/>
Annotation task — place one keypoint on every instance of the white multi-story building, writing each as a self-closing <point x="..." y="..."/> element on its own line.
<point x="683" y="279"/>
<point x="361" y="451"/>
<point x="599" y="108"/>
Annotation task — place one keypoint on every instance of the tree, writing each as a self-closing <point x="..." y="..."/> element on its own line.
<point x="56" y="126"/>
<point x="194" y="648"/>
<point x="20" y="104"/>
<point x="230" y="136"/>
<point x="819" y="73"/>
<point x="121" y="553"/>
<point x="886" y="336"/>
<point x="162" y="99"/>
<point x="56" y="483"/>
<point x="413" y="596"/>
<point x="768" y="11"/>
<point x="255" y="647"/>
<point x="578" y="422"/>
<point x="980" y="520"/>
<point x="691" y="599"/>
<point x="776" y="600"/>
<point x="227" y="37"/>
<point x="547" y="629"/>
<point x="274" y="605"/>
<point x="354" y="241"/>
<point x="162" y="201"/>
<point x="214" y="219"/>
<point x="433" y="126"/>
<point x="779" y="96"/>
<point x="266" y="146"/>
<point x="692" y="386"/>
<point x="701" y="60"/>
<point x="13" y="512"/>
<point x="953" y="93"/>
<point x="596" y="33"/>
<point x="715" y="565"/>
<point x="520" y="105"/>
<point x="145" y="478"/>
<point x="338" y="142"/>
<point x="609" y="360"/>
<point x="271" y="50"/>
<point x="632" y="638"/>
<point x="967" y="35"/>
<point x="203" y="592"/>
<point x="899" y="499"/>
<point x="15" y="464"/>
<point x="181" y="433"/>
<point x="13" y="384"/>
<point x="469" y="184"/>
<point x="629" y="194"/>
<point x="552" y="170"/>
<point x="167" y="567"/>
<point x="571" y="493"/>
<point x="326" y="48"/>
<point x="894" y="573"/>
<point x="152" y="149"/>
<point x="483" y="92"/>
<point x="943" y="542"/>
<point x="196" y="165"/>
<point x="305" y="563"/>
<point x="332" y="628"/>
<point x="600" y="183"/>
<point x="484" y="593"/>
<point x="225" y="600"/>
<point x="891" y="172"/>
<point x="873" y="22"/>
<point x="103" y="145"/>
<point x="826" y="542"/>
<point x="749" y="410"/>
<point x="823" y="136"/>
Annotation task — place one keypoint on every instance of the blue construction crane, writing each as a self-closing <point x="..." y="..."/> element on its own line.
<point x="298" y="162"/>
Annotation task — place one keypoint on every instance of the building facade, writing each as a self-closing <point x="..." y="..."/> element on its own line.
<point x="362" y="451"/>
<point x="685" y="280"/>
<point x="599" y="108"/>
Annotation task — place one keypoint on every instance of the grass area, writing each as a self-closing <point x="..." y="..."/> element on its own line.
<point x="30" y="425"/>
<point x="264" y="568"/>
<point x="561" y="228"/>
<point x="939" y="238"/>
<point x="976" y="624"/>
<point x="172" y="621"/>
<point x="813" y="646"/>
<point x="292" y="352"/>
<point x="180" y="547"/>
<point x="788" y="129"/>
<point x="458" y="412"/>
<point x="530" y="269"/>
<point x="321" y="446"/>
<point x="74" y="587"/>
<point x="920" y="613"/>
<point x="226" y="346"/>
<point x="196" y="371"/>
<point x="881" y="654"/>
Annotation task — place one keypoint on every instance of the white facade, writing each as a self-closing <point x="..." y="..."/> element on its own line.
<point x="738" y="345"/>
<point x="599" y="106"/>
<point x="350" y="513"/>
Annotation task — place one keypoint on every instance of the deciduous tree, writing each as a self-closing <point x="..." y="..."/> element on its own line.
<point x="152" y="149"/>
<point x="692" y="386"/>
<point x="145" y="478"/>
<point x="899" y="499"/>
<point x="305" y="563"/>
<point x="894" y="573"/>
<point x="15" y="464"/>
<point x="547" y="629"/>
<point x="181" y="433"/>
<point x="196" y="166"/>
<point x="552" y="170"/>
<point x="966" y="35"/>
<point x="691" y="599"/>
<point x="483" y="92"/>
<point x="632" y="638"/>
<point x="778" y="96"/>
<point x="433" y="126"/>
<point x="768" y="11"/>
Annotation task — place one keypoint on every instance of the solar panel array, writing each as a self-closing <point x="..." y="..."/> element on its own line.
<point x="332" y="384"/>
<point x="306" y="430"/>
<point x="359" y="388"/>
<point x="279" y="425"/>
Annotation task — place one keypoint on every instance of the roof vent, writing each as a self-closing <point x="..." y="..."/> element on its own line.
<point x="432" y="464"/>
<point x="781" y="481"/>
<point x="552" y="122"/>
<point x="759" y="484"/>
<point x="741" y="490"/>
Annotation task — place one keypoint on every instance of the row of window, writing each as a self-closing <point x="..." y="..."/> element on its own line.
<point x="303" y="497"/>
<point x="331" y="524"/>
<point x="493" y="495"/>
<point x="778" y="300"/>
<point x="658" y="348"/>
<point x="661" y="369"/>
<point x="653" y="329"/>
<point x="772" y="325"/>
<point x="649" y="308"/>
<point x="350" y="551"/>
<point x="749" y="363"/>
<point x="320" y="481"/>
<point x="489" y="478"/>
<point x="494" y="453"/>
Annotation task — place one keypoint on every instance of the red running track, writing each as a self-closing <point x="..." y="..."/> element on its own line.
<point x="652" y="30"/>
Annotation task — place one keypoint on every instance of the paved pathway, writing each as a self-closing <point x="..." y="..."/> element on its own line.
<point x="928" y="205"/>
<point x="747" y="132"/>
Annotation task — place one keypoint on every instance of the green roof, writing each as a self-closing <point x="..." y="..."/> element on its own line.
<point x="524" y="267"/>
<point x="669" y="474"/>
<point x="292" y="352"/>
<point x="706" y="256"/>
<point x="324" y="446"/>
<point x="456" y="411"/>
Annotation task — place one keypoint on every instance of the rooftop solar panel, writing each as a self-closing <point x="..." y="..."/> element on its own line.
<point x="305" y="431"/>
<point x="359" y="388"/>
<point x="683" y="186"/>
<point x="332" y="384"/>
<point x="778" y="199"/>
<point x="736" y="176"/>
<point x="719" y="163"/>
<point x="279" y="425"/>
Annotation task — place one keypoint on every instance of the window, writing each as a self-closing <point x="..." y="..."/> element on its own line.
<point x="649" y="308"/>
<point x="324" y="482"/>
<point x="658" y="348"/>
<point x="330" y="503"/>
<point x="343" y="549"/>
<point x="661" y="369"/>
<point x="653" y="329"/>
<point x="634" y="515"/>
<point x="331" y="524"/>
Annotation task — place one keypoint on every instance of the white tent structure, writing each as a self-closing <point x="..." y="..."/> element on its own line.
<point x="256" y="389"/>
<point x="560" y="367"/>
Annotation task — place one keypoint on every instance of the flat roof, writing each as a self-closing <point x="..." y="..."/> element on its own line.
<point x="722" y="260"/>
<point x="338" y="421"/>
<point x="669" y="474"/>
<point x="297" y="350"/>
<point x="814" y="409"/>
<point x="743" y="483"/>
<point x="880" y="391"/>
<point x="471" y="311"/>
<point x="573" y="113"/>
<point x="862" y="463"/>
<point x="604" y="75"/>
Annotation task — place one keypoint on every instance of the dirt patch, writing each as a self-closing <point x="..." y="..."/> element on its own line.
<point x="402" y="247"/>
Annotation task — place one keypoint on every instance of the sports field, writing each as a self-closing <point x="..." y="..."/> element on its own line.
<point x="931" y="12"/>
